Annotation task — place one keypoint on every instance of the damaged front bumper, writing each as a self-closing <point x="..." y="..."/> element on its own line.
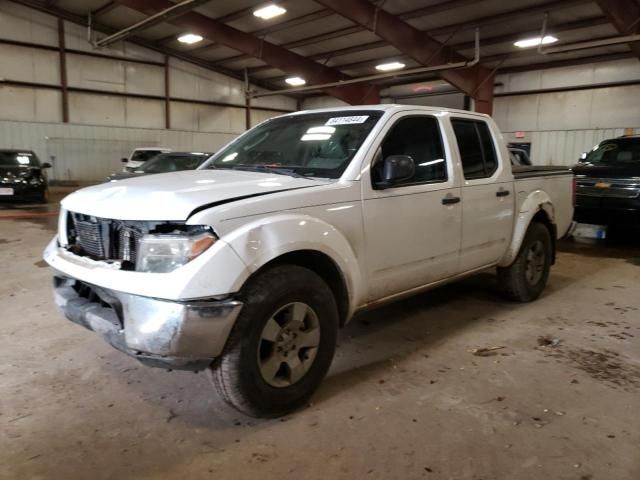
<point x="167" y="334"/>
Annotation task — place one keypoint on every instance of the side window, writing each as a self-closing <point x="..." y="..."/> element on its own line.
<point x="477" y="151"/>
<point x="419" y="137"/>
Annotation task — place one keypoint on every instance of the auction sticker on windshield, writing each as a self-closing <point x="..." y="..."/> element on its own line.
<point x="347" y="120"/>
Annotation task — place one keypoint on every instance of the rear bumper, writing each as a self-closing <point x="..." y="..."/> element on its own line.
<point x="159" y="333"/>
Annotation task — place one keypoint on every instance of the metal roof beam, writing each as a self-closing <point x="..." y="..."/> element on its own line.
<point x="420" y="46"/>
<point x="82" y="20"/>
<point x="625" y="16"/>
<point x="275" y="55"/>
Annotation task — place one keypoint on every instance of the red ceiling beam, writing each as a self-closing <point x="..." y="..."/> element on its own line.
<point x="625" y="16"/>
<point x="476" y="81"/>
<point x="275" y="55"/>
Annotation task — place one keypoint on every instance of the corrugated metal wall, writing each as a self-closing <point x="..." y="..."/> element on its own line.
<point x="87" y="153"/>
<point x="562" y="125"/>
<point x="105" y="127"/>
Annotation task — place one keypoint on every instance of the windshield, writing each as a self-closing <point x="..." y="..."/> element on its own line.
<point x="18" y="159"/>
<point x="313" y="144"/>
<point x="144" y="155"/>
<point x="618" y="151"/>
<point x="174" y="162"/>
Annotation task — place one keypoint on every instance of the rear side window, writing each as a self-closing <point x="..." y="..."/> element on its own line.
<point x="419" y="137"/>
<point x="477" y="150"/>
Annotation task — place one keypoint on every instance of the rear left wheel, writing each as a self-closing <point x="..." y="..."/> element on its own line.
<point x="282" y="344"/>
<point x="525" y="279"/>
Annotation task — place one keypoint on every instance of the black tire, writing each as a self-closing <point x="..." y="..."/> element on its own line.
<point x="516" y="281"/>
<point x="237" y="374"/>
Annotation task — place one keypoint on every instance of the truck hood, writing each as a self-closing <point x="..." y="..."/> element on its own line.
<point x="174" y="196"/>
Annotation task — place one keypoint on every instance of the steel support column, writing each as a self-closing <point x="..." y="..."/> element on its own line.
<point x="63" y="72"/>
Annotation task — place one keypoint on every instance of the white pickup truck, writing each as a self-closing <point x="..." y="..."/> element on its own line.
<point x="248" y="266"/>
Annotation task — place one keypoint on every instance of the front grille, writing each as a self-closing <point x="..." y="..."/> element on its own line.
<point x="116" y="240"/>
<point x="608" y="187"/>
<point x="128" y="239"/>
<point x="106" y="239"/>
<point x="89" y="235"/>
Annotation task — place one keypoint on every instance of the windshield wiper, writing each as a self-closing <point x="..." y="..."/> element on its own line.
<point x="263" y="169"/>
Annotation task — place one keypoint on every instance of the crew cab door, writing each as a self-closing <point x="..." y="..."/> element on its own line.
<point x="412" y="228"/>
<point x="487" y="194"/>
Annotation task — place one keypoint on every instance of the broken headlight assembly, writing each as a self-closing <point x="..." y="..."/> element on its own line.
<point x="164" y="252"/>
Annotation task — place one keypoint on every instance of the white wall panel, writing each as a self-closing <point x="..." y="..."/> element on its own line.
<point x="144" y="79"/>
<point x="578" y="75"/>
<point x="27" y="25"/>
<point x="616" y="107"/>
<point x="29" y="65"/>
<point x="94" y="109"/>
<point x="564" y="110"/>
<point x="27" y="104"/>
<point x="95" y="73"/>
<point x="184" y="116"/>
<point x="144" y="113"/>
<point x="195" y="83"/>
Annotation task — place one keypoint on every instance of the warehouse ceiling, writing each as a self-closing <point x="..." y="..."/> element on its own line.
<point x="311" y="32"/>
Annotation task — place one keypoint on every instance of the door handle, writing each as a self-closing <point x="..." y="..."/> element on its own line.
<point x="450" y="200"/>
<point x="502" y="193"/>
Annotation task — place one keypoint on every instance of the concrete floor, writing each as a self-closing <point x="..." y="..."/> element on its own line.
<point x="406" y="397"/>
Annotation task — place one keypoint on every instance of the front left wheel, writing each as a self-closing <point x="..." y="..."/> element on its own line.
<point x="282" y="344"/>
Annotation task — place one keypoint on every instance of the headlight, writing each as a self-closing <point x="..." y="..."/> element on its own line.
<point x="162" y="253"/>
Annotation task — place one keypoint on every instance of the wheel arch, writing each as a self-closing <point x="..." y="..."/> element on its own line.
<point x="325" y="267"/>
<point x="304" y="241"/>
<point x="537" y="207"/>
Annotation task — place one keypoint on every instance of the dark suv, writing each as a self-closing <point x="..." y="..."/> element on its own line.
<point x="21" y="176"/>
<point x="608" y="183"/>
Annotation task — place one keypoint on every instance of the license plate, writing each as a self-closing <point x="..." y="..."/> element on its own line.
<point x="6" y="191"/>
<point x="602" y="185"/>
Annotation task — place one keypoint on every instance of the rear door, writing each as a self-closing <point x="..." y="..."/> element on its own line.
<point x="487" y="194"/>
<point x="412" y="230"/>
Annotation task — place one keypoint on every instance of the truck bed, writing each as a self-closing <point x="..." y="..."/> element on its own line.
<point x="531" y="171"/>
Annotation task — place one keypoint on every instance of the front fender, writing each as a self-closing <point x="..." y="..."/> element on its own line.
<point x="535" y="201"/>
<point x="265" y="239"/>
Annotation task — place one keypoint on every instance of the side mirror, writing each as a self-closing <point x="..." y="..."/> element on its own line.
<point x="124" y="160"/>
<point x="396" y="169"/>
<point x="583" y="157"/>
<point x="45" y="165"/>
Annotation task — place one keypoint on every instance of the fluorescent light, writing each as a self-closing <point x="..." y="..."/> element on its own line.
<point x="308" y="137"/>
<point x="534" y="42"/>
<point x="432" y="162"/>
<point x="385" y="67"/>
<point x="269" y="11"/>
<point x="189" y="38"/>
<point x="295" y="81"/>
<point x="322" y="129"/>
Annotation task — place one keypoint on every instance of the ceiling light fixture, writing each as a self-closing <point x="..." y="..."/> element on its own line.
<point x="295" y="81"/>
<point x="269" y="11"/>
<point x="386" y="67"/>
<point x="534" y="42"/>
<point x="189" y="38"/>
